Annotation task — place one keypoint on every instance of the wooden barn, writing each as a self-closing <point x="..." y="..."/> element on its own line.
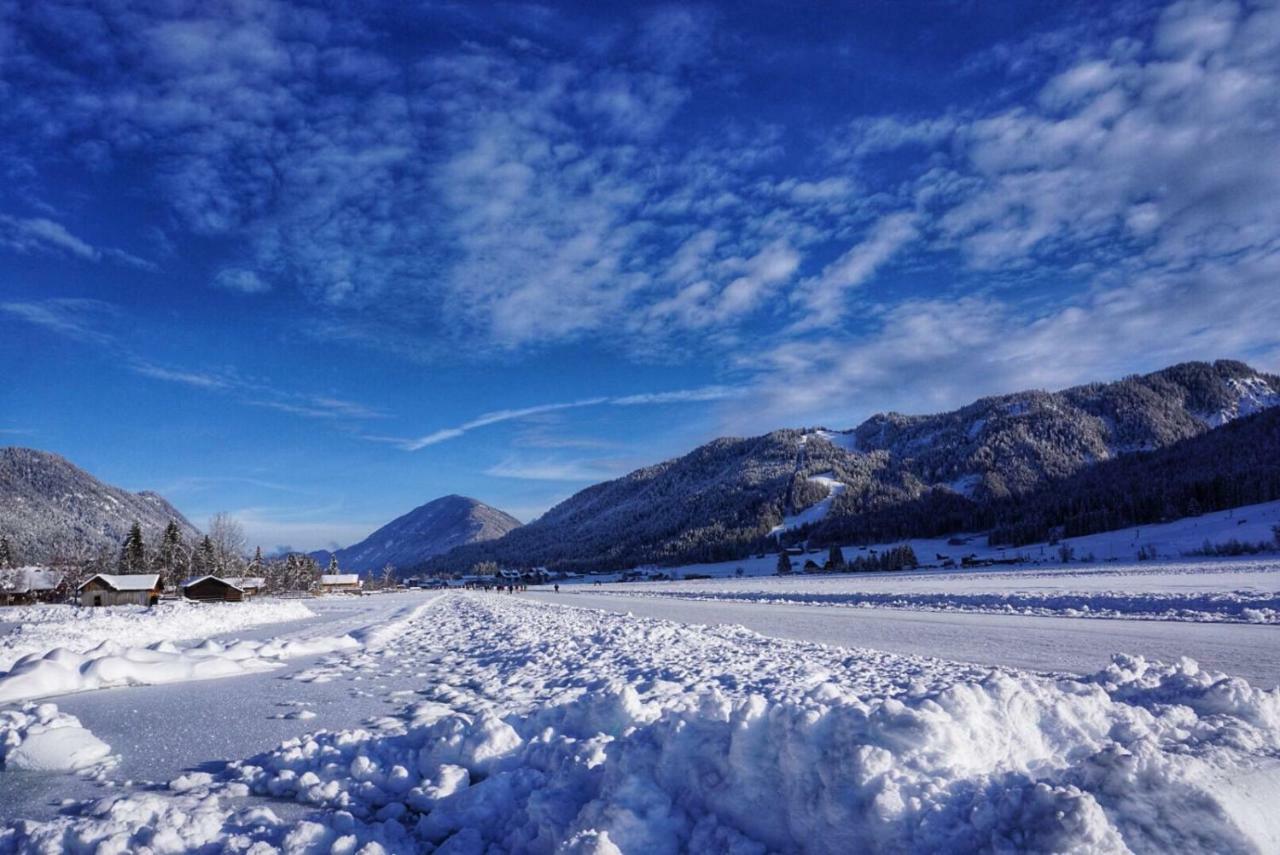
<point x="213" y="588"/>
<point x="340" y="583"/>
<point x="111" y="589"/>
<point x="26" y="585"/>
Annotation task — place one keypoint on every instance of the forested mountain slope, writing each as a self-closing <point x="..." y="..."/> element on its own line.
<point x="900" y="472"/>
<point x="51" y="508"/>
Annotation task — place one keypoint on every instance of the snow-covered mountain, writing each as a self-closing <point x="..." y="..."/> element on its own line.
<point x="729" y="496"/>
<point x="438" y="526"/>
<point x="51" y="508"/>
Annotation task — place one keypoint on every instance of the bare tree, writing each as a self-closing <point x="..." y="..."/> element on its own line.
<point x="229" y="544"/>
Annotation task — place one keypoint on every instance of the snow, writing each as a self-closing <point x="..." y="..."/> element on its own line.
<point x="1253" y="394"/>
<point x="1245" y="591"/>
<point x="340" y="579"/>
<point x="22" y="580"/>
<point x="40" y="629"/>
<point x="847" y="439"/>
<point x="39" y="738"/>
<point x="542" y="728"/>
<point x="816" y="511"/>
<point x="127" y="582"/>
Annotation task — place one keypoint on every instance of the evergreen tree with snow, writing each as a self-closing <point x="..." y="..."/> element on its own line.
<point x="133" y="552"/>
<point x="205" y="560"/>
<point x="255" y="568"/>
<point x="835" y="558"/>
<point x="7" y="561"/>
<point x="171" y="557"/>
<point x="784" y="564"/>
<point x="333" y="566"/>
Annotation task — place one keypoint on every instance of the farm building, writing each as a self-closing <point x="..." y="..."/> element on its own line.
<point x="251" y="585"/>
<point x="109" y="589"/>
<point x="25" y="585"/>
<point x="340" y="583"/>
<point x="214" y="588"/>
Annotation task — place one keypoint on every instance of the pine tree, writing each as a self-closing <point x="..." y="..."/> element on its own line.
<point x="133" y="552"/>
<point x="784" y="564"/>
<point x="255" y="568"/>
<point x="835" y="558"/>
<point x="171" y="558"/>
<point x="333" y="566"/>
<point x="7" y="561"/>
<point x="205" y="560"/>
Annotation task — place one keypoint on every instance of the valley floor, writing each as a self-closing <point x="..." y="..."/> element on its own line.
<point x="595" y="722"/>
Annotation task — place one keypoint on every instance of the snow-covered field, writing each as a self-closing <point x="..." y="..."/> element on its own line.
<point x="543" y="728"/>
<point x="1241" y="590"/>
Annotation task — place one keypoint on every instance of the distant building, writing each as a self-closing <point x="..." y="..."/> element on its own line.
<point x="215" y="589"/>
<point x="340" y="583"/>
<point x="110" y="589"/>
<point x="26" y="585"/>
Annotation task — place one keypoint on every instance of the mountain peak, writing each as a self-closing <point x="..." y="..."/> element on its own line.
<point x="428" y="530"/>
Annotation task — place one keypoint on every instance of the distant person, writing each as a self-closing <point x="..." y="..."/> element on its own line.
<point x="557" y="587"/>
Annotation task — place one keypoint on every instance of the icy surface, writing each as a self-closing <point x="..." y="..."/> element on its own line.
<point x="544" y="728"/>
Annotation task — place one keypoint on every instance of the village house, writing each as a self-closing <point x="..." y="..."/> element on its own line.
<point x="110" y="589"/>
<point x="340" y="583"/>
<point x="27" y="585"/>
<point x="229" y="590"/>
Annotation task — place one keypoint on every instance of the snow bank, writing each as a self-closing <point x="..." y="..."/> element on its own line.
<point x="40" y="738"/>
<point x="110" y="664"/>
<point x="75" y="628"/>
<point x="543" y="729"/>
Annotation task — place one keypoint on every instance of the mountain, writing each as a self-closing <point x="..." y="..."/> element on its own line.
<point x="891" y="476"/>
<point x="51" y="508"/>
<point x="425" y="531"/>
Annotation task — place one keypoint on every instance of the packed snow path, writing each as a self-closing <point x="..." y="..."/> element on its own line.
<point x="1060" y="644"/>
<point x="541" y="728"/>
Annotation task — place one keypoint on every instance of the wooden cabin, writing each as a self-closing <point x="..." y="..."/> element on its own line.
<point x="212" y="589"/>
<point x="340" y="583"/>
<point x="26" y="585"/>
<point x="112" y="589"/>
<point x="251" y="585"/>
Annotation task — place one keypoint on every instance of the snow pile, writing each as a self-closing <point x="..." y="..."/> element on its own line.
<point x="1239" y="592"/>
<point x="39" y="738"/>
<point x="43" y="628"/>
<point x="543" y="729"/>
<point x="113" y="664"/>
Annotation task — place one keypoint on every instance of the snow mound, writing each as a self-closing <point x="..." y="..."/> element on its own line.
<point x="76" y="628"/>
<point x="110" y="664"/>
<point x="42" y="739"/>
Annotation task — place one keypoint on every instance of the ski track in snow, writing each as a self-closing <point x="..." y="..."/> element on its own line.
<point x="547" y="728"/>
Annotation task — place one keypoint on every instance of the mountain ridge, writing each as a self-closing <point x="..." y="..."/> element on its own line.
<point x="721" y="500"/>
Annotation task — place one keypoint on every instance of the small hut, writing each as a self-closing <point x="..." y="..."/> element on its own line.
<point x="111" y="589"/>
<point x="213" y="589"/>
<point x="340" y="583"/>
<point x="251" y="585"/>
<point x="26" y="585"/>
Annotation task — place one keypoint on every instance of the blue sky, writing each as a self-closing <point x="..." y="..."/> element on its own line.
<point x="317" y="264"/>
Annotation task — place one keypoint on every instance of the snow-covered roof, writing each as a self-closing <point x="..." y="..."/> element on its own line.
<point x="340" y="579"/>
<point x="234" y="583"/>
<point x="22" y="580"/>
<point x="126" y="582"/>
<point x="243" y="582"/>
